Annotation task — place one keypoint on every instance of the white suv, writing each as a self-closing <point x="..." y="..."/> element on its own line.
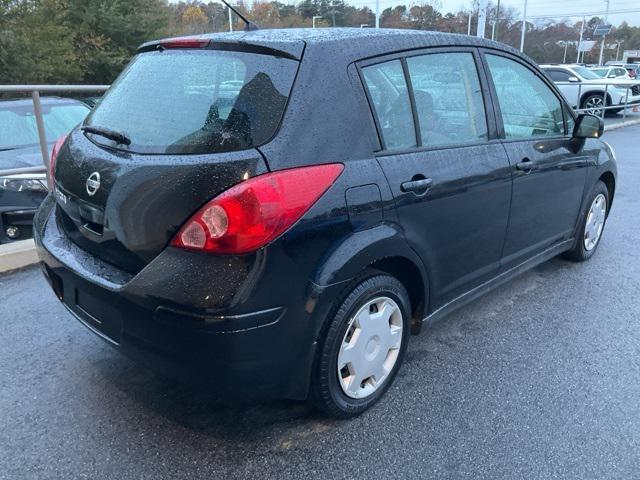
<point x="586" y="90"/>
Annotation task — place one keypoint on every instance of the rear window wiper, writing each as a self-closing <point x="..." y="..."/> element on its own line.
<point x="121" y="138"/>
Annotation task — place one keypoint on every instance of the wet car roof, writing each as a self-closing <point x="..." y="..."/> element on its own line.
<point x="351" y="43"/>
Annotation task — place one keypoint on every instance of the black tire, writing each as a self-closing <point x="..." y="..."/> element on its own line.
<point x="578" y="252"/>
<point x="326" y="393"/>
<point x="594" y="96"/>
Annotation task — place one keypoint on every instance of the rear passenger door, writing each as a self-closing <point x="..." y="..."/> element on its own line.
<point x="449" y="175"/>
<point x="548" y="175"/>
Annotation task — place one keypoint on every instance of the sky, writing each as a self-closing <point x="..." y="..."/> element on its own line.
<point x="570" y="9"/>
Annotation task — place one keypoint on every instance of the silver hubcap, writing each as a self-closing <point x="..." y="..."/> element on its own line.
<point x="594" y="105"/>
<point x="370" y="347"/>
<point x="595" y="222"/>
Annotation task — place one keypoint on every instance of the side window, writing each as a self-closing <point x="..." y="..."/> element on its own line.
<point x="448" y="98"/>
<point x="529" y="107"/>
<point x="390" y="96"/>
<point x="558" y="75"/>
<point x="620" y="72"/>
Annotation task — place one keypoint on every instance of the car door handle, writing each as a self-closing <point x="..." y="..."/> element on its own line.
<point x="417" y="186"/>
<point x="526" y="165"/>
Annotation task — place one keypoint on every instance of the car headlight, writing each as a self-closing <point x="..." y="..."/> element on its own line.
<point x="22" y="183"/>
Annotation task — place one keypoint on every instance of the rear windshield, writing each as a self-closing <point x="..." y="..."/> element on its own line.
<point x="196" y="101"/>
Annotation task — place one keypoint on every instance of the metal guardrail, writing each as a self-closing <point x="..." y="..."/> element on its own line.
<point x="606" y="96"/>
<point x="35" y="91"/>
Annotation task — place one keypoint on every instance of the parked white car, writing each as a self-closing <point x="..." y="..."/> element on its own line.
<point x="586" y="90"/>
<point x="612" y="72"/>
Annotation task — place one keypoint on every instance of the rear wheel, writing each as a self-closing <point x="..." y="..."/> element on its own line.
<point x="363" y="347"/>
<point x="594" y="219"/>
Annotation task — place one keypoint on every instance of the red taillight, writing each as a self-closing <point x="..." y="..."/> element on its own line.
<point x="252" y="213"/>
<point x="54" y="155"/>
<point x="185" y="42"/>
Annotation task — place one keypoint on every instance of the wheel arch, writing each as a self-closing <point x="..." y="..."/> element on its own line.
<point x="588" y="93"/>
<point x="610" y="182"/>
<point x="382" y="248"/>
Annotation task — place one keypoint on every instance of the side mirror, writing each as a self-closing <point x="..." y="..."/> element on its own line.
<point x="588" y="126"/>
<point x="573" y="79"/>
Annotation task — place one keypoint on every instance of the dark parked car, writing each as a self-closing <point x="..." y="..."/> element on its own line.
<point x="288" y="244"/>
<point x="22" y="193"/>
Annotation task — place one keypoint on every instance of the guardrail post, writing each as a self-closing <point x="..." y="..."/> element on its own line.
<point x="604" y="107"/>
<point x="626" y="102"/>
<point x="44" y="149"/>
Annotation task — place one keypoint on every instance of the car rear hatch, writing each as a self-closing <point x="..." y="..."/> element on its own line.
<point x="180" y="125"/>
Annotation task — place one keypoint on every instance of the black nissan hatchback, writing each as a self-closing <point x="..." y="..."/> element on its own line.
<point x="272" y="213"/>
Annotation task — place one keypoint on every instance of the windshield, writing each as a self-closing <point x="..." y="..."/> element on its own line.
<point x="18" y="123"/>
<point x="585" y="73"/>
<point x="196" y="101"/>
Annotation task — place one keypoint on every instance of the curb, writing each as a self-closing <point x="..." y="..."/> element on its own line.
<point x="628" y="123"/>
<point x="20" y="254"/>
<point x="17" y="255"/>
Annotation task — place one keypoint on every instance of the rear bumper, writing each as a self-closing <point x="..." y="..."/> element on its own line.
<point x="253" y="349"/>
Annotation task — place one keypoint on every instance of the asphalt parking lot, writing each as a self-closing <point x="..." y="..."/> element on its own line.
<point x="632" y="114"/>
<point x="539" y="379"/>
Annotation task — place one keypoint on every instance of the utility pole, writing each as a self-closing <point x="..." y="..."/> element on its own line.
<point x="524" y="25"/>
<point x="604" y="37"/>
<point x="377" y="13"/>
<point x="482" y="16"/>
<point x="469" y="24"/>
<point x="230" y="21"/>
<point x="494" y="33"/>
<point x="580" y="41"/>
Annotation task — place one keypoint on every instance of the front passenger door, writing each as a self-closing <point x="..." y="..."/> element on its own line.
<point x="548" y="177"/>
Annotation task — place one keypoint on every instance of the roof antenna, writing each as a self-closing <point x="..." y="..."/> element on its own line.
<point x="249" y="25"/>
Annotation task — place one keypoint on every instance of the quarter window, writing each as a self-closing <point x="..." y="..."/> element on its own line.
<point x="388" y="91"/>
<point x="528" y="106"/>
<point x="448" y="98"/>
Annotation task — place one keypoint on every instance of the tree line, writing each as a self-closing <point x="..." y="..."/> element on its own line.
<point x="89" y="41"/>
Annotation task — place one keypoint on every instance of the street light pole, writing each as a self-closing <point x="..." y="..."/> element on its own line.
<point x="606" y="18"/>
<point x="333" y="13"/>
<point x="580" y="41"/>
<point x="618" y="50"/>
<point x="469" y="24"/>
<point x="494" y="33"/>
<point x="377" y="13"/>
<point x="564" y="58"/>
<point x="482" y="15"/>
<point x="524" y="25"/>
<point x="230" y="21"/>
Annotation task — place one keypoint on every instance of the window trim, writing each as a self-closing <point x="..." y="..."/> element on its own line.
<point x="372" y="106"/>
<point x="489" y="112"/>
<point x="538" y="73"/>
